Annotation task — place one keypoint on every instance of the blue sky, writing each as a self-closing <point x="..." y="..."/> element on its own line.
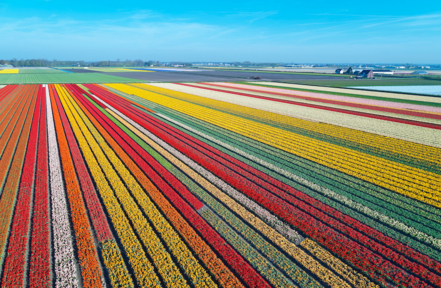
<point x="259" y="31"/>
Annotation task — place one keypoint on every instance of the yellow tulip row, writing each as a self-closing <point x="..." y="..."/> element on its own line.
<point x="279" y="240"/>
<point x="118" y="274"/>
<point x="415" y="150"/>
<point x="143" y="269"/>
<point x="179" y="249"/>
<point x="410" y="181"/>
<point x="9" y="71"/>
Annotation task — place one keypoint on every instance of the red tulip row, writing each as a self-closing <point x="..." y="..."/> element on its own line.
<point x="242" y="268"/>
<point x="247" y="186"/>
<point x="14" y="269"/>
<point x="339" y="110"/>
<point x="39" y="260"/>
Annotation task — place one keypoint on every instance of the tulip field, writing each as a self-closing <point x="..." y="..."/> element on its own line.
<point x="218" y="185"/>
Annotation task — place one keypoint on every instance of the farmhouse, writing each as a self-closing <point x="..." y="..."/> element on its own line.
<point x="366" y="74"/>
<point x="339" y="71"/>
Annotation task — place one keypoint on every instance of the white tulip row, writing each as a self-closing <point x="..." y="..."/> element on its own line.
<point x="416" y="134"/>
<point x="66" y="273"/>
<point x="328" y="193"/>
<point x="357" y="92"/>
<point x="261" y="212"/>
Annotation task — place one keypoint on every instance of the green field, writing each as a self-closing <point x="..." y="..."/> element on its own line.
<point x="63" y="78"/>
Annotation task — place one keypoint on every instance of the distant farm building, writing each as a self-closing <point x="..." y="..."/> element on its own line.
<point x="383" y="72"/>
<point x="366" y="74"/>
<point x="339" y="71"/>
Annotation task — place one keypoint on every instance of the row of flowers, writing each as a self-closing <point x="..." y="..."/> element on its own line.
<point x="276" y="187"/>
<point x="405" y="229"/>
<point x="165" y="231"/>
<point x="40" y="251"/>
<point x="373" y="169"/>
<point x="388" y="96"/>
<point x="86" y="250"/>
<point x="171" y="194"/>
<point x="381" y="146"/>
<point x="340" y="125"/>
<point x="264" y="247"/>
<point x="303" y="181"/>
<point x="227" y="173"/>
<point x="97" y="216"/>
<point x="13" y="155"/>
<point x="335" y="179"/>
<point x="111" y="254"/>
<point x="222" y="274"/>
<point x="98" y="165"/>
<point x="273" y="162"/>
<point x="422" y="106"/>
<point x="297" y="257"/>
<point x="390" y="232"/>
<point x="65" y="263"/>
<point x="257" y="192"/>
<point x="247" y="273"/>
<point x="331" y="106"/>
<point x="15" y="261"/>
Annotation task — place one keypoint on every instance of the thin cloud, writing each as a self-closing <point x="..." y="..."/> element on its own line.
<point x="420" y="20"/>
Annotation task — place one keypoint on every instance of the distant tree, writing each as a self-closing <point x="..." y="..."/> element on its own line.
<point x="349" y="71"/>
<point x="138" y="62"/>
<point x="2" y="62"/>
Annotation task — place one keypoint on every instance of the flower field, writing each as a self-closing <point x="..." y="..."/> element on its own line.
<point x="218" y="185"/>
